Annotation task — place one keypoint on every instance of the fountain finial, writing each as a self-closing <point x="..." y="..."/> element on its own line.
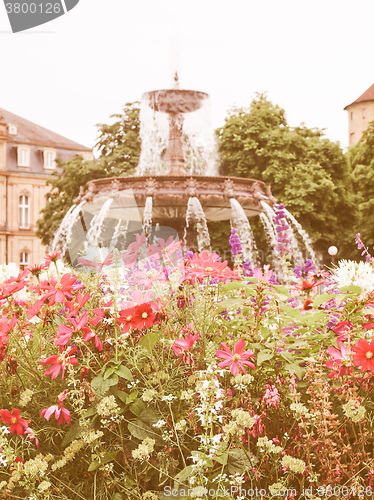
<point x="176" y="80"/>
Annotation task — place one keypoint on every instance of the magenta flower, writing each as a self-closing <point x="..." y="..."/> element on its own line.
<point x="58" y="410"/>
<point x="58" y="363"/>
<point x="341" y="359"/>
<point x="182" y="346"/>
<point x="237" y="359"/>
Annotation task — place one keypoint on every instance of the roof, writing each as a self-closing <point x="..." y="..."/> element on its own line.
<point x="31" y="133"/>
<point x="368" y="95"/>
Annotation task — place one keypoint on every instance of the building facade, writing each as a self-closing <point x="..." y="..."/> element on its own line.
<point x="27" y="158"/>
<point x="360" y="114"/>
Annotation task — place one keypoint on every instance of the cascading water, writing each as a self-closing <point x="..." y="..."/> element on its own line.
<point x="267" y="218"/>
<point x="93" y="234"/>
<point x="147" y="216"/>
<point x="304" y="235"/>
<point x="63" y="234"/>
<point x="271" y="238"/>
<point x="154" y="130"/>
<point x="239" y="222"/>
<point x="195" y="213"/>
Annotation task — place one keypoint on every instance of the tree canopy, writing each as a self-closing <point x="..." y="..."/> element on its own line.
<point x="306" y="171"/>
<point x="119" y="147"/>
<point x="362" y="160"/>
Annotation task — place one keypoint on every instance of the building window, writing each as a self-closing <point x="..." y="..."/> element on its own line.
<point x="12" y="129"/>
<point x="351" y="115"/>
<point x="23" y="156"/>
<point x="24" y="260"/>
<point x="49" y="159"/>
<point x="24" y="212"/>
<point x="351" y="138"/>
<point x="364" y="113"/>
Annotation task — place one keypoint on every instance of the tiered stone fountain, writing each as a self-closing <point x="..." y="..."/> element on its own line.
<point x="111" y="208"/>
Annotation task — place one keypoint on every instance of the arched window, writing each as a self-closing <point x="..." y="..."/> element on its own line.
<point x="24" y="211"/>
<point x="49" y="159"/>
<point x="24" y="259"/>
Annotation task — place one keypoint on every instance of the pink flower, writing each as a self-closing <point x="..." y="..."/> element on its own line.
<point x="182" y="346"/>
<point x="58" y="363"/>
<point x="237" y="359"/>
<point x="30" y="434"/>
<point x="59" y="411"/>
<point x="257" y="273"/>
<point x="342" y="327"/>
<point x="164" y="248"/>
<point x="207" y="265"/>
<point x="364" y="355"/>
<point x="342" y="359"/>
<point x="58" y="290"/>
<point x="271" y="396"/>
<point x="77" y="325"/>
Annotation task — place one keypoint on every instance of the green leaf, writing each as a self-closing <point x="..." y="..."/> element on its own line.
<point x="73" y="433"/>
<point x="237" y="461"/>
<point x="109" y="371"/>
<point x="282" y="290"/>
<point x="185" y="473"/>
<point x="123" y="372"/>
<point x="101" y="386"/>
<point x="228" y="303"/>
<point x="292" y="312"/>
<point x="148" y="341"/>
<point x="140" y="430"/>
<point x="262" y="356"/>
<point x="320" y="299"/>
<point x="109" y="457"/>
<point x="353" y="288"/>
<point x="138" y="407"/>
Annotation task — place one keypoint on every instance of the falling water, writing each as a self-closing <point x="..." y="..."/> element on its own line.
<point x="96" y="226"/>
<point x="195" y="213"/>
<point x="305" y="237"/>
<point x="199" y="142"/>
<point x="63" y="234"/>
<point x="271" y="238"/>
<point x="241" y="225"/>
<point x="147" y="216"/>
<point x="154" y="133"/>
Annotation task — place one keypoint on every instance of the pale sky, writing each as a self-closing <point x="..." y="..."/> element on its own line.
<point x="312" y="59"/>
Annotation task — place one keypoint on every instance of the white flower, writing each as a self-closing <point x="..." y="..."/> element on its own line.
<point x="350" y="273"/>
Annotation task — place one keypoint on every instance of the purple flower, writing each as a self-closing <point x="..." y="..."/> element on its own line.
<point x="236" y="247"/>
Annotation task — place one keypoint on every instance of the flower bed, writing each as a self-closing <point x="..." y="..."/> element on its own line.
<point x="152" y="377"/>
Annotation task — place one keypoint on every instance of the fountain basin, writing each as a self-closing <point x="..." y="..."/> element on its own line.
<point x="175" y="101"/>
<point x="170" y="195"/>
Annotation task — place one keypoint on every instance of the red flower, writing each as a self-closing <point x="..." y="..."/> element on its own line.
<point x="18" y="424"/>
<point x="307" y="286"/>
<point x="144" y="315"/>
<point x="75" y="306"/>
<point x="342" y="327"/>
<point x="364" y="356"/>
<point x="98" y="266"/>
<point x="59" y="290"/>
<point x="342" y="359"/>
<point x="237" y="359"/>
<point x="34" y="308"/>
<point x="182" y="346"/>
<point x="58" y="410"/>
<point x="51" y="258"/>
<point x="207" y="265"/>
<point x="58" y="363"/>
<point x="126" y="318"/>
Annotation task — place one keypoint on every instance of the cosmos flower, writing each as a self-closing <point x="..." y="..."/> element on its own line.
<point x="237" y="359"/>
<point x="364" y="355"/>
<point x="59" y="362"/>
<point x="17" y="423"/>
<point x="58" y="411"/>
<point x="341" y="359"/>
<point x="207" y="265"/>
<point x="182" y="346"/>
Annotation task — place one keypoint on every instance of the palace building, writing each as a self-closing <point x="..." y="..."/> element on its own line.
<point x="360" y="114"/>
<point x="27" y="158"/>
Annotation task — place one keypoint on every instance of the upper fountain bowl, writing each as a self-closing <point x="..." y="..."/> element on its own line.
<point x="175" y="101"/>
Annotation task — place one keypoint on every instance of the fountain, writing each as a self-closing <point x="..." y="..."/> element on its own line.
<point x="173" y="198"/>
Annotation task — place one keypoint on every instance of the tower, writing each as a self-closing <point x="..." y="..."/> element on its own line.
<point x="360" y="114"/>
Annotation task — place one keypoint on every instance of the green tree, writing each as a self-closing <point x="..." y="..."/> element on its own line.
<point x="306" y="171"/>
<point x="361" y="157"/>
<point x="118" y="145"/>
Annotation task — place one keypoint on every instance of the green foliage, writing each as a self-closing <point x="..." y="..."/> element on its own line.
<point x="119" y="148"/>
<point x="362" y="160"/>
<point x="306" y="171"/>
